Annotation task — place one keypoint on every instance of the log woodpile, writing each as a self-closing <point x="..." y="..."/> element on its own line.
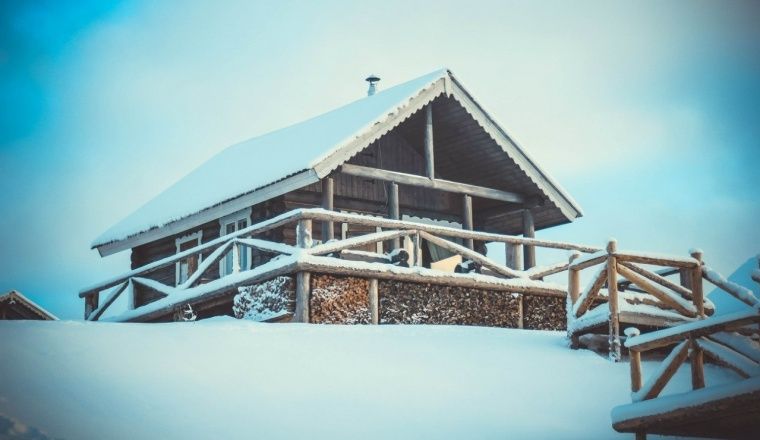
<point x="262" y="301"/>
<point x="339" y="300"/>
<point x="414" y="303"/>
<point x="544" y="313"/>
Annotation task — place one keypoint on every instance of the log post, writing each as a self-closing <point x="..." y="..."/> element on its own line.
<point x="696" y="283"/>
<point x="513" y="256"/>
<point x="235" y="257"/>
<point x="614" y="336"/>
<point x="393" y="209"/>
<point x="636" y="379"/>
<point x="573" y="292"/>
<point x="529" y="231"/>
<point x="697" y="359"/>
<point x="429" y="157"/>
<point x="467" y="219"/>
<point x="328" y="202"/>
<point x="303" y="292"/>
<point x="374" y="303"/>
<point x="303" y="279"/>
<point x="91" y="304"/>
<point x="417" y="250"/>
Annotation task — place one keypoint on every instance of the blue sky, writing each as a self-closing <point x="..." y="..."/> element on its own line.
<point x="647" y="112"/>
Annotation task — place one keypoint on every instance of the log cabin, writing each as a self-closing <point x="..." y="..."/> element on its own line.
<point x="421" y="153"/>
<point x="15" y="306"/>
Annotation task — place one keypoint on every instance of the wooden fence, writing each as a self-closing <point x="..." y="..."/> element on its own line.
<point x="333" y="257"/>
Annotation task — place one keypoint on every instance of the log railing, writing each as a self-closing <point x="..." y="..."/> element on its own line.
<point x="330" y="256"/>
<point x="635" y="294"/>
<point x="718" y="339"/>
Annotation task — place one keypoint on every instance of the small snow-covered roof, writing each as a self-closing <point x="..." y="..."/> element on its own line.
<point x="16" y="297"/>
<point x="270" y="165"/>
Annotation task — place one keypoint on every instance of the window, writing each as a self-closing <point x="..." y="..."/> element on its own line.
<point x="188" y="265"/>
<point x="229" y="224"/>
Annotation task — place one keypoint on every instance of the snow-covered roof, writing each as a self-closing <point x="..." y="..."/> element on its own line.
<point x="15" y="295"/>
<point x="281" y="161"/>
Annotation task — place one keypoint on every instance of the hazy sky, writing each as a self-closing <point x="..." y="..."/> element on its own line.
<point x="646" y="112"/>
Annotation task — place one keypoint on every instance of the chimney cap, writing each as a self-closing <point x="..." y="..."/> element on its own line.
<point x="372" y="78"/>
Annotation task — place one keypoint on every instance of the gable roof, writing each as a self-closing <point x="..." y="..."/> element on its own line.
<point x="287" y="159"/>
<point x="16" y="297"/>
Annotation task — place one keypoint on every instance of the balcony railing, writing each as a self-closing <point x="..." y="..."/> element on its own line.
<point x="336" y="257"/>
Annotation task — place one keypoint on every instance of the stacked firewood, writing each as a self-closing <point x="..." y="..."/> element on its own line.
<point x="339" y="300"/>
<point x="544" y="313"/>
<point x="265" y="300"/>
<point x="413" y="303"/>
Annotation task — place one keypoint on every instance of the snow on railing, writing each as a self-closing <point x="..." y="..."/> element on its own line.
<point x="484" y="273"/>
<point x="657" y="301"/>
<point x="718" y="338"/>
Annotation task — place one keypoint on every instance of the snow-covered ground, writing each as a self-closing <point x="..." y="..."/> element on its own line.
<point x="224" y="378"/>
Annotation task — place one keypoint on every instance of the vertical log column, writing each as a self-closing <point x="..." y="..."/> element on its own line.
<point x="91" y="303"/>
<point x="467" y="219"/>
<point x="429" y="157"/>
<point x="696" y="284"/>
<point x="697" y="365"/>
<point x="328" y="195"/>
<point x="529" y="231"/>
<point x="393" y="209"/>
<point x="303" y="279"/>
<point x="573" y="292"/>
<point x="614" y="337"/>
<point x="374" y="302"/>
<point x="514" y="261"/>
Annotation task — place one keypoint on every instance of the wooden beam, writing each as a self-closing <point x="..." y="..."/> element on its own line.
<point x="393" y="209"/>
<point x="437" y="184"/>
<point x="514" y="256"/>
<point x="328" y="203"/>
<point x="696" y="284"/>
<point x="657" y="278"/>
<point x="529" y="231"/>
<point x="672" y="301"/>
<point x="374" y="309"/>
<point x="635" y="370"/>
<point x="697" y="365"/>
<point x="467" y="219"/>
<point x="303" y="294"/>
<point x="614" y="335"/>
<point x="470" y="254"/>
<point x="429" y="155"/>
<point x="91" y="304"/>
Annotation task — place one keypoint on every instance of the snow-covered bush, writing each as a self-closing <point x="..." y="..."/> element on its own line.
<point x="265" y="301"/>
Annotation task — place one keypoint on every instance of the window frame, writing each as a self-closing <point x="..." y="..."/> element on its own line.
<point x="235" y="217"/>
<point x="178" y="242"/>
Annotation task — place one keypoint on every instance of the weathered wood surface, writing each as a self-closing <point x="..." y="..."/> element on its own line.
<point x="303" y="293"/>
<point x="339" y="300"/>
<point x="529" y="231"/>
<point x="425" y="182"/>
<point x="656" y="384"/>
<point x="588" y="296"/>
<point x="661" y="295"/>
<point x="328" y="203"/>
<point x="472" y="255"/>
<point x="652" y="276"/>
<point x="467" y="219"/>
<point x="614" y="335"/>
<point x="697" y="365"/>
<point x="374" y="302"/>
<point x="692" y="330"/>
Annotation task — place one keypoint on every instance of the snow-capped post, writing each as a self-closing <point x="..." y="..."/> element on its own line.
<point x="696" y="283"/>
<point x="374" y="311"/>
<point x="393" y="209"/>
<point x="429" y="156"/>
<point x="636" y="377"/>
<point x="328" y="230"/>
<point x="529" y="231"/>
<point x="573" y="292"/>
<point x="614" y="337"/>
<point x="467" y="219"/>
<point x="697" y="359"/>
<point x="303" y="279"/>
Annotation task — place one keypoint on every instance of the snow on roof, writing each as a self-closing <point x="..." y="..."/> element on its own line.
<point x="15" y="294"/>
<point x="266" y="159"/>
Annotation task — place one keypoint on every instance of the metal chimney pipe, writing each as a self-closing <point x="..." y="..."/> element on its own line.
<point x="372" y="80"/>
